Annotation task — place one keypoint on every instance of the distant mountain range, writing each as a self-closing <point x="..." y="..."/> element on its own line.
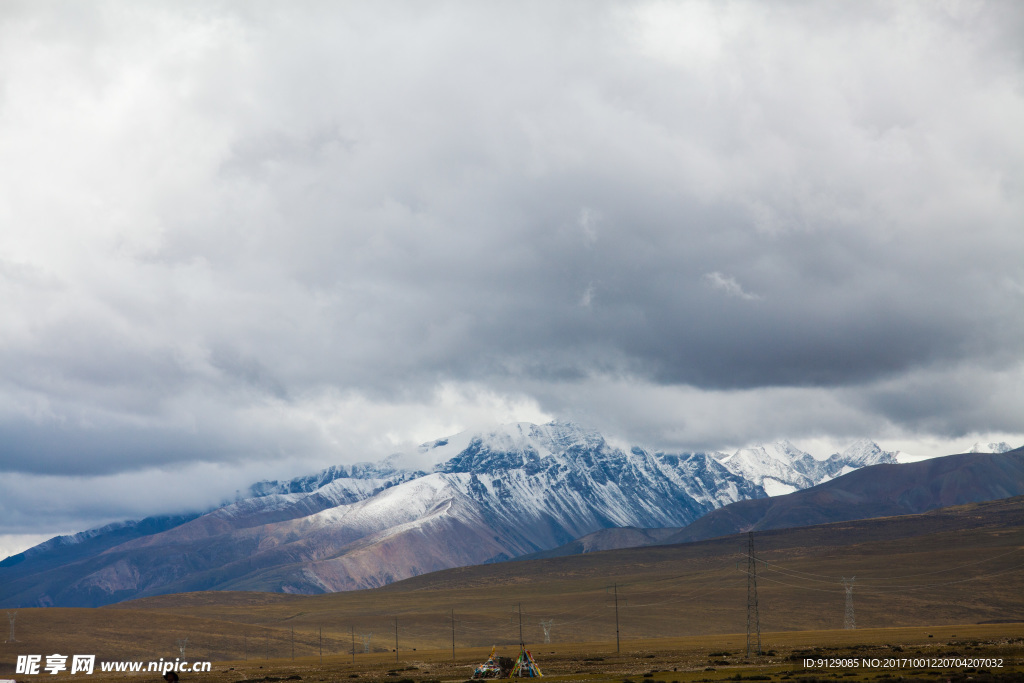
<point x="887" y="490"/>
<point x="782" y="468"/>
<point x="485" y="497"/>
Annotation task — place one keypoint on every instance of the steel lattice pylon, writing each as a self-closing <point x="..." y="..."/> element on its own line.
<point x="849" y="621"/>
<point x="546" y="624"/>
<point x="753" y="616"/>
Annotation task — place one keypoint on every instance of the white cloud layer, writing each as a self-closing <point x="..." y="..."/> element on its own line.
<point x="250" y="239"/>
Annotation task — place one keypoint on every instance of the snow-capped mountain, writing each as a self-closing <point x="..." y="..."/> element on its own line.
<point x="863" y="453"/>
<point x="481" y="497"/>
<point x="471" y="498"/>
<point x="782" y="468"/>
<point x="779" y="468"/>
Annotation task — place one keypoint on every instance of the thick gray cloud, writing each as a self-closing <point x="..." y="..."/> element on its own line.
<point x="240" y="234"/>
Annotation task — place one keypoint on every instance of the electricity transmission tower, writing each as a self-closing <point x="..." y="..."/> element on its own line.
<point x="849" y="621"/>
<point x="10" y="618"/>
<point x="546" y="624"/>
<point x="366" y="640"/>
<point x="182" y="642"/>
<point x="753" y="616"/>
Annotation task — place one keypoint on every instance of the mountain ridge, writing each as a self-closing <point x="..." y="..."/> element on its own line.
<point x="488" y="498"/>
<point x="471" y="498"/>
<point x="876" y="491"/>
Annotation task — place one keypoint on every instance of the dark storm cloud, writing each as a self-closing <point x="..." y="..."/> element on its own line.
<point x="248" y="232"/>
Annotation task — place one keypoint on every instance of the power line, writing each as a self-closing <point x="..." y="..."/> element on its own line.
<point x="823" y="578"/>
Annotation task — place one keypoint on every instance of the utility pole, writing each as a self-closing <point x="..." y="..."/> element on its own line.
<point x="353" y="644"/>
<point x="453" y="634"/>
<point x="321" y="643"/>
<point x="245" y="644"/>
<point x="522" y="644"/>
<point x="615" y="590"/>
<point x="10" y="617"/>
<point x="849" y="622"/>
<point x="753" y="616"/>
<point x="396" y="639"/>
<point x="293" y="643"/>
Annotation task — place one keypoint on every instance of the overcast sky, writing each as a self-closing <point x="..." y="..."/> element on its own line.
<point x="243" y="240"/>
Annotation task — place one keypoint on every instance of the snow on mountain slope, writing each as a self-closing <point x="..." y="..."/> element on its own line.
<point x="490" y="496"/>
<point x="782" y="468"/>
<point x="272" y="507"/>
<point x="863" y="453"/>
<point x="774" y="487"/>
<point x="785" y="466"/>
<point x="576" y="477"/>
<point x="470" y="498"/>
<point x="514" y="491"/>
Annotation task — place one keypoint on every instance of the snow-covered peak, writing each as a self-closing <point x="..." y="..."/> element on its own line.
<point x="864" y="453"/>
<point x="510" y="446"/>
<point x="779" y="466"/>
<point x="865" y="449"/>
<point x="780" y="451"/>
<point x="999" y="447"/>
<point x="517" y="437"/>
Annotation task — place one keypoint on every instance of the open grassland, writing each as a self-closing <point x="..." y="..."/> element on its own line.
<point x="956" y="575"/>
<point x="989" y="652"/>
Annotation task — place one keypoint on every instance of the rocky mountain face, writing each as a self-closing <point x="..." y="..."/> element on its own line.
<point x="472" y="498"/>
<point x="486" y="498"/>
<point x="886" y="490"/>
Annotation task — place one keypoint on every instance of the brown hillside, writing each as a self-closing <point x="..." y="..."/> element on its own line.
<point x="955" y="565"/>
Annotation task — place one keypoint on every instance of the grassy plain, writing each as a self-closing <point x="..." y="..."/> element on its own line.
<point x="925" y="585"/>
<point x="993" y="652"/>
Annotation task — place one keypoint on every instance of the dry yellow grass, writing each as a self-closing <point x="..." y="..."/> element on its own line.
<point x="699" y="658"/>
<point x="677" y="603"/>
